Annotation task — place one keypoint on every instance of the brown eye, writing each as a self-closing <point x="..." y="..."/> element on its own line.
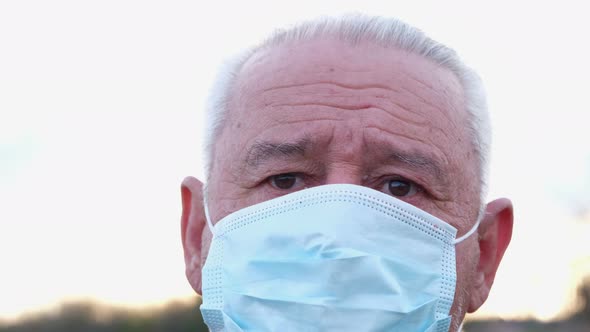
<point x="283" y="181"/>
<point x="402" y="188"/>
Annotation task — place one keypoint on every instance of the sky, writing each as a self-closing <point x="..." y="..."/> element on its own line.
<point x="100" y="120"/>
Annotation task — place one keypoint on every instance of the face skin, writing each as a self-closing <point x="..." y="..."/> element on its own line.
<point x="323" y="112"/>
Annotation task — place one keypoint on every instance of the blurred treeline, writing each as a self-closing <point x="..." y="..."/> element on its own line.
<point x="182" y="316"/>
<point x="90" y="317"/>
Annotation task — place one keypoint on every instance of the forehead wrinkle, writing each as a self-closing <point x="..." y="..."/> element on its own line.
<point x="403" y="135"/>
<point x="262" y="151"/>
<point x="329" y="105"/>
<point x="344" y="96"/>
<point x="381" y="98"/>
<point x="328" y="84"/>
<point x="448" y="98"/>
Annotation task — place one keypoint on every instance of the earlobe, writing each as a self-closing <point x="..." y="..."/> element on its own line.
<point x="192" y="225"/>
<point x="495" y="233"/>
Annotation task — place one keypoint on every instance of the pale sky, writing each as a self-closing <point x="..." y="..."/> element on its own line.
<point x="100" y="120"/>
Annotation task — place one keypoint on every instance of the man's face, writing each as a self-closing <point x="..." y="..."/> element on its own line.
<point x="325" y="112"/>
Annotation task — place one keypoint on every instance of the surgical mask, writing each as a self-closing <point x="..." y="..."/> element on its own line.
<point x="331" y="258"/>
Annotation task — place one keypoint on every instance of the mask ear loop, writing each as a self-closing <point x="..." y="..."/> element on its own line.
<point x="207" y="217"/>
<point x="468" y="234"/>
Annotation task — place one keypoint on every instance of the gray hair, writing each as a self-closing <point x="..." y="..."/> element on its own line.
<point x="355" y="29"/>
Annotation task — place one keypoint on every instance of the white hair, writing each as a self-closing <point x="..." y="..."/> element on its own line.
<point x="355" y="29"/>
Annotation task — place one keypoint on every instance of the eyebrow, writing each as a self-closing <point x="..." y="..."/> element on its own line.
<point x="261" y="152"/>
<point x="418" y="161"/>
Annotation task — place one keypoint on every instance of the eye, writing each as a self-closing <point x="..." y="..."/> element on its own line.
<point x="401" y="187"/>
<point x="284" y="181"/>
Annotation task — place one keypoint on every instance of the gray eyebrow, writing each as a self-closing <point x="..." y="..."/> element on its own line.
<point x="418" y="161"/>
<point x="260" y="152"/>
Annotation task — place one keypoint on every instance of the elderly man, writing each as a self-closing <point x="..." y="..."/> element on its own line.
<point x="346" y="178"/>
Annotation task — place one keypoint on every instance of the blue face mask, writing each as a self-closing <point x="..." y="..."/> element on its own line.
<point x="330" y="258"/>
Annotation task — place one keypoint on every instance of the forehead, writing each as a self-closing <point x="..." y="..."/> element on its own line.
<point x="330" y="60"/>
<point x="281" y="91"/>
<point x="308" y="64"/>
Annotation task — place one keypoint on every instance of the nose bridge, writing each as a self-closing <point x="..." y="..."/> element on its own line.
<point x="345" y="161"/>
<point x="343" y="174"/>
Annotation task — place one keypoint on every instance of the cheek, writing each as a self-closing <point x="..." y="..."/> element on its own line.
<point x="205" y="244"/>
<point x="467" y="254"/>
<point x="466" y="258"/>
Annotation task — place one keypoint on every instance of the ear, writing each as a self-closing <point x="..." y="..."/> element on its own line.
<point x="192" y="224"/>
<point x="495" y="232"/>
